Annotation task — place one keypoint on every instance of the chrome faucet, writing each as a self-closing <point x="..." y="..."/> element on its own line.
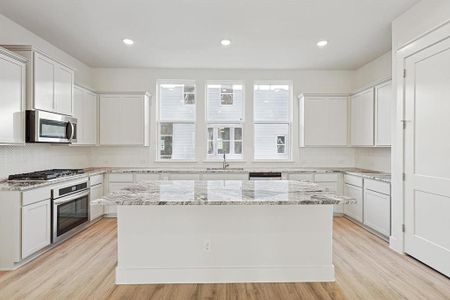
<point x="225" y="165"/>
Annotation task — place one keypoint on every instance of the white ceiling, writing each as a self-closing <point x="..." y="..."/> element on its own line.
<point x="266" y="34"/>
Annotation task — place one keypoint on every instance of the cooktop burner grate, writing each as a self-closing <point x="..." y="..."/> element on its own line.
<point x="46" y="174"/>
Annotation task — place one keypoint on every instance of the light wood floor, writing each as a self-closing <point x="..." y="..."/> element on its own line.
<point x="83" y="268"/>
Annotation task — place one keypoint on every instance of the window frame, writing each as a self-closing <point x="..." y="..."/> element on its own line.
<point x="289" y="137"/>
<point x="174" y="121"/>
<point x="221" y="123"/>
<point x="216" y="156"/>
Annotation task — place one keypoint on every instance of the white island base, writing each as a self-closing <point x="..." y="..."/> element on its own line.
<point x="224" y="243"/>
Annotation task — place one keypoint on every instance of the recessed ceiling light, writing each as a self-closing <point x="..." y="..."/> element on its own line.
<point x="225" y="43"/>
<point x="128" y="42"/>
<point x="322" y="43"/>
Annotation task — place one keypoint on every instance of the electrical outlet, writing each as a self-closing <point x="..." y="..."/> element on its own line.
<point x="207" y="246"/>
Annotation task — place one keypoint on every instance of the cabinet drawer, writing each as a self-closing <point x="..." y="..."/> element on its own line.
<point x="36" y="195"/>
<point x="328" y="186"/>
<point x="146" y="177"/>
<point x="116" y="186"/>
<point x="120" y="177"/>
<point x="96" y="179"/>
<point x="326" y="177"/>
<point x="353" y="180"/>
<point x="225" y="176"/>
<point x="377" y="186"/>
<point x="302" y="176"/>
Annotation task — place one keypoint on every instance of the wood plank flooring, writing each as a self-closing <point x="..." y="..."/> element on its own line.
<point x="83" y="268"/>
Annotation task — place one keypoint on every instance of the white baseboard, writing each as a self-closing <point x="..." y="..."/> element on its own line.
<point x="225" y="275"/>
<point x="396" y="245"/>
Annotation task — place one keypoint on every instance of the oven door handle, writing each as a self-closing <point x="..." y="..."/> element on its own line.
<point x="70" y="198"/>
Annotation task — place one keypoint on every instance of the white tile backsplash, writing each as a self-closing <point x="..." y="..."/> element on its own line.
<point x="32" y="157"/>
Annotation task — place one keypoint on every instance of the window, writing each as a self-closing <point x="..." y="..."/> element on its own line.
<point x="177" y="120"/>
<point x="224" y="139"/>
<point x="272" y="121"/>
<point x="225" y="102"/>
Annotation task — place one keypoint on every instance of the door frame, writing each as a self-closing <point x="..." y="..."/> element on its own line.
<point x="428" y="39"/>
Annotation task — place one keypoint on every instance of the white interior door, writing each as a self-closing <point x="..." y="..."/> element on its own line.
<point x="427" y="156"/>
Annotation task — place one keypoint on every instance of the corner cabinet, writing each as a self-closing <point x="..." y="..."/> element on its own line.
<point x="85" y="110"/>
<point x="362" y="118"/>
<point x="371" y="115"/>
<point x="323" y="120"/>
<point x="124" y="119"/>
<point x="49" y="82"/>
<point x="12" y="95"/>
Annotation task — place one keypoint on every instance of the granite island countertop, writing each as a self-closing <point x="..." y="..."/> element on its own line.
<point x="223" y="192"/>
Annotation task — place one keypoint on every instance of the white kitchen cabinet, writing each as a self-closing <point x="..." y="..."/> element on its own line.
<point x="301" y="176"/>
<point x="49" y="82"/>
<point x="225" y="176"/>
<point x="146" y="177"/>
<point x="96" y="211"/>
<point x="43" y="83"/>
<point x="85" y="110"/>
<point x="12" y="95"/>
<point x="354" y="210"/>
<point x="383" y="113"/>
<point x="180" y="176"/>
<point x="377" y="209"/>
<point x="377" y="206"/>
<point x="323" y="120"/>
<point x="362" y="118"/>
<point x="36" y="220"/>
<point x="63" y="94"/>
<point x="124" y="119"/>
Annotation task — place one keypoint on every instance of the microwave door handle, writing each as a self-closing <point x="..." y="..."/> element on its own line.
<point x="70" y="131"/>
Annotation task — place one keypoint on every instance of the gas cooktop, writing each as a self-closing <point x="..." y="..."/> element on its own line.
<point x="46" y="174"/>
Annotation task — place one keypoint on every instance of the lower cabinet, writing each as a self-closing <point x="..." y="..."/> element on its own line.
<point x="96" y="211"/>
<point x="355" y="210"/>
<point x="377" y="206"/>
<point x="377" y="209"/>
<point x="236" y="176"/>
<point x="36" y="220"/>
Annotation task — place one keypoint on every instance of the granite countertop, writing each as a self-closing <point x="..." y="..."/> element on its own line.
<point x="380" y="176"/>
<point x="18" y="185"/>
<point x="223" y="192"/>
<point x="28" y="185"/>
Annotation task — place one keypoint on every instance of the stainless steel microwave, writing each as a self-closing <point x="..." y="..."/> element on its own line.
<point x="46" y="127"/>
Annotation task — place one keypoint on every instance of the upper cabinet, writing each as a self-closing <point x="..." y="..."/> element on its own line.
<point x="323" y="120"/>
<point x="124" y="119"/>
<point x="383" y="113"/>
<point x="85" y="110"/>
<point x="371" y="114"/>
<point x="50" y="83"/>
<point x="362" y="118"/>
<point x="12" y="97"/>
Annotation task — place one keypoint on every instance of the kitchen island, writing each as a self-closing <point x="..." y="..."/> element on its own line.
<point x="216" y="231"/>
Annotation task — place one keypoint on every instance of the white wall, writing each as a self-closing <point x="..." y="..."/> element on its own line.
<point x="378" y="70"/>
<point x="16" y="159"/>
<point x="414" y="23"/>
<point x="373" y="72"/>
<point x="12" y="33"/>
<point x="146" y="79"/>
